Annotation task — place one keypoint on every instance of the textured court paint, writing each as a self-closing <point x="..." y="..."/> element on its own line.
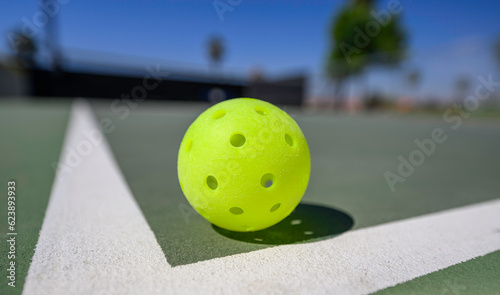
<point x="244" y="164"/>
<point x="102" y="245"/>
<point x="31" y="137"/>
<point x="477" y="276"/>
<point x="357" y="262"/>
<point x="94" y="239"/>
<point x="349" y="156"/>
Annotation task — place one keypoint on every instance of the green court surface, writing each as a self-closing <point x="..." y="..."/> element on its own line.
<point x="347" y="191"/>
<point x="30" y="140"/>
<point x="477" y="276"/>
<point x="349" y="158"/>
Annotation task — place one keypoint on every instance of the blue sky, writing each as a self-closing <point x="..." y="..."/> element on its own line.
<point x="446" y="38"/>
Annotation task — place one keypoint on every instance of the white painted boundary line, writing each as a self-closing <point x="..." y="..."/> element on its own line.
<point x="357" y="262"/>
<point x="94" y="240"/>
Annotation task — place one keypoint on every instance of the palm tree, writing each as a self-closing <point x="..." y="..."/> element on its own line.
<point x="25" y="49"/>
<point x="413" y="80"/>
<point x="496" y="50"/>
<point x="497" y="54"/>
<point x="462" y="85"/>
<point x="216" y="52"/>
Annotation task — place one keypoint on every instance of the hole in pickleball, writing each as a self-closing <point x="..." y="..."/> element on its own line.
<point x="236" y="210"/>
<point x="212" y="182"/>
<point x="237" y="140"/>
<point x="261" y="110"/>
<point x="267" y="180"/>
<point x="219" y="114"/>
<point x="296" y="221"/>
<point x="308" y="232"/>
<point x="275" y="207"/>
<point x="289" y="140"/>
<point x="189" y="145"/>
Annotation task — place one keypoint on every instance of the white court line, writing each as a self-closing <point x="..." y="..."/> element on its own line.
<point x="95" y="240"/>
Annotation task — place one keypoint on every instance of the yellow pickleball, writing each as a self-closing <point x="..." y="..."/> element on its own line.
<point x="244" y="164"/>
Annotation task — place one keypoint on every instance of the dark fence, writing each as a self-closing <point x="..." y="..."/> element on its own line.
<point x="68" y="84"/>
<point x="44" y="83"/>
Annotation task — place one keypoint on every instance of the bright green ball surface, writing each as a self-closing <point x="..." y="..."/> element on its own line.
<point x="244" y="164"/>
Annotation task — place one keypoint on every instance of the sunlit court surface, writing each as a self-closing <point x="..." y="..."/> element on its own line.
<point x="364" y="159"/>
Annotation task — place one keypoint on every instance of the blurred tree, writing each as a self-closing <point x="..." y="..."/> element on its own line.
<point x="216" y="51"/>
<point x="413" y="80"/>
<point x="462" y="85"/>
<point x="24" y="48"/>
<point x="496" y="50"/>
<point x="374" y="101"/>
<point x="360" y="38"/>
<point x="257" y="75"/>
